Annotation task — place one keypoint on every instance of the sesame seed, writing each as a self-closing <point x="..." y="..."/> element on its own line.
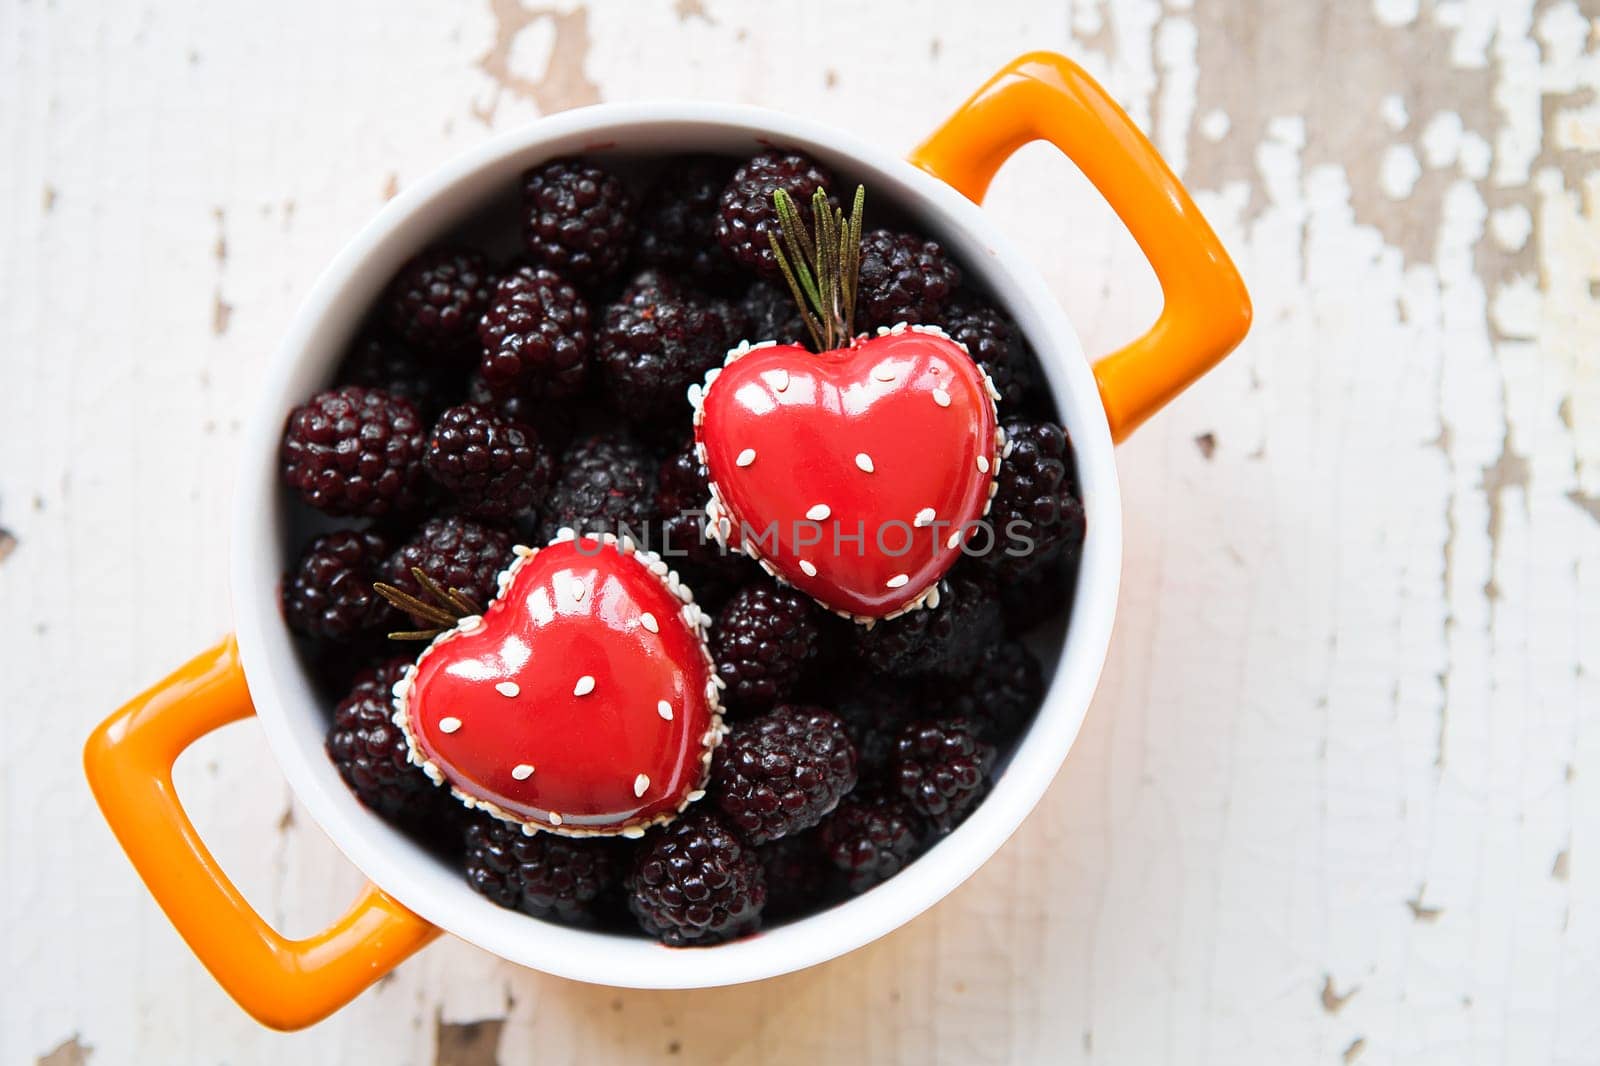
<point x="883" y="372"/>
<point x="983" y="464"/>
<point x="924" y="517"/>
<point x="941" y="397"/>
<point x="780" y="379"/>
<point x="864" y="461"/>
<point x="746" y="457"/>
<point x="522" y="771"/>
<point x="584" y="686"/>
<point x="898" y="580"/>
<point x="664" y="709"/>
<point x="577" y="588"/>
<point x="648" y="620"/>
<point x="809" y="567"/>
<point x="696" y="796"/>
<point x="509" y="689"/>
<point x="640" y="783"/>
<point x="819" y="512"/>
<point x="955" y="540"/>
<point x="555" y="819"/>
<point x="449" y="725"/>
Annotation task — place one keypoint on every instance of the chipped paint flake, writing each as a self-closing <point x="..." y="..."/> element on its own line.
<point x="70" y="1052"/>
<point x="564" y="82"/>
<point x="1332" y="999"/>
<point x="475" y="1043"/>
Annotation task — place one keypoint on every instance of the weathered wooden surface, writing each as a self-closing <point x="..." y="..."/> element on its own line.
<point x="1337" y="798"/>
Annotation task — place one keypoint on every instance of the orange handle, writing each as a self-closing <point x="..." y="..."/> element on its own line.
<point x="1206" y="310"/>
<point x="286" y="984"/>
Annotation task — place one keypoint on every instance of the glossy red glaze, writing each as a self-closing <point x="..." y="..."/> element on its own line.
<point x="809" y="419"/>
<point x="574" y="610"/>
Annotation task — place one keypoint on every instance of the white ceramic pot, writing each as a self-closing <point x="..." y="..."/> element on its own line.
<point x="291" y="983"/>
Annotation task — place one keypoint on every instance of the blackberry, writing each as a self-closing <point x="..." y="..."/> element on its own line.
<point x="1003" y="692"/>
<point x="681" y="495"/>
<point x="329" y="593"/>
<point x="942" y="641"/>
<point x="873" y="713"/>
<point x="1036" y="510"/>
<point x="577" y="219"/>
<point x="678" y="222"/>
<point x="762" y="641"/>
<point x="606" y="483"/>
<point x="436" y="299"/>
<point x="545" y="875"/>
<point x="377" y="361"/>
<point x="997" y="345"/>
<point x="695" y="882"/>
<point x="457" y="553"/>
<point x="1041" y="594"/>
<point x="657" y="340"/>
<point x="796" y="873"/>
<point x="903" y="278"/>
<point x="771" y="315"/>
<point x="354" y="451"/>
<point x="535" y="335"/>
<point x="745" y="212"/>
<point x="554" y="420"/>
<point x="783" y="772"/>
<point x="942" y="769"/>
<point x="489" y="464"/>
<point x="871" y="838"/>
<point x="682" y="483"/>
<point x="370" y="751"/>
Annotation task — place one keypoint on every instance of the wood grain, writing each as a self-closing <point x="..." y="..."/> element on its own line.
<point x="1335" y="801"/>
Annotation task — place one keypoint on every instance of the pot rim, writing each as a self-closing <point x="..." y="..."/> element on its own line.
<point x="329" y="315"/>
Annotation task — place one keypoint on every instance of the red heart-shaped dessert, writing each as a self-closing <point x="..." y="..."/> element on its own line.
<point x="853" y="474"/>
<point x="583" y="701"/>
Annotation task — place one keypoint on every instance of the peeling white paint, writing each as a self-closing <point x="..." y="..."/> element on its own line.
<point x="1399" y="171"/>
<point x="1511" y="226"/>
<point x="1395" y="12"/>
<point x="1515" y="308"/>
<point x="1331" y="683"/>
<point x="1474" y="156"/>
<point x="1441" y="139"/>
<point x="1175" y="57"/>
<point x="1215" y="125"/>
<point x="1393" y="112"/>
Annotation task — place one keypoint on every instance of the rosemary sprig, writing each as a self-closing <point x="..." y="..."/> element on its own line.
<point x="444" y="607"/>
<point x="821" y="264"/>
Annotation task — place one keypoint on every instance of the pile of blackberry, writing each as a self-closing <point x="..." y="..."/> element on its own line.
<point x="496" y="395"/>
